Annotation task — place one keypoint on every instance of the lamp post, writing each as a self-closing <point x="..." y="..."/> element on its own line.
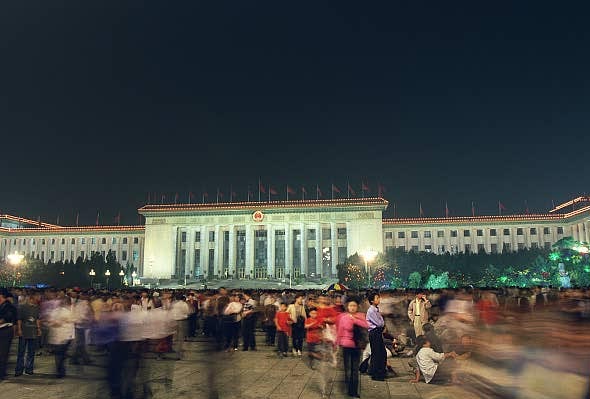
<point x="133" y="275"/>
<point x="15" y="259"/>
<point x="107" y="275"/>
<point x="121" y="275"/>
<point x="368" y="256"/>
<point x="92" y="273"/>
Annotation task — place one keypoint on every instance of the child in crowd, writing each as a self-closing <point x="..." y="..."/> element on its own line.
<point x="429" y="362"/>
<point x="313" y="336"/>
<point x="283" y="322"/>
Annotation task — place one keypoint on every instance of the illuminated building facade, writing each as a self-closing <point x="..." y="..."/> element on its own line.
<point x="274" y="239"/>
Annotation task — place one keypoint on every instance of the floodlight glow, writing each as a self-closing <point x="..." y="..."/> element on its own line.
<point x="581" y="249"/>
<point x="15" y="258"/>
<point x="368" y="255"/>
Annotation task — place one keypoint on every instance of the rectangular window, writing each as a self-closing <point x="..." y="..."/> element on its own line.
<point x="414" y="234"/>
<point x="388" y="235"/>
<point x="103" y="241"/>
<point x="533" y="231"/>
<point x="183" y="236"/>
<point x="440" y="233"/>
<point x="546" y="230"/>
<point x="43" y="256"/>
<point x="467" y="248"/>
<point x="311" y="261"/>
<point x="479" y="232"/>
<point x="506" y="232"/>
<point x="124" y="256"/>
<point x="62" y="256"/>
<point x="506" y="247"/>
<point x="135" y="255"/>
<point x="453" y="233"/>
<point x="441" y="249"/>
<point x="136" y="240"/>
<point x="63" y="241"/>
<point x="24" y="241"/>
<point x="547" y="245"/>
<point x="311" y="234"/>
<point x="197" y="264"/>
<point x="326" y="234"/>
<point x="72" y="256"/>
<point x="114" y="240"/>
<point x="33" y="241"/>
<point x="402" y="248"/>
<point x="428" y="248"/>
<point x="494" y="248"/>
<point x="211" y="264"/>
<point x="414" y="248"/>
<point x="73" y="241"/>
<point x="124" y="240"/>
<point x="52" y="255"/>
<point x="520" y="246"/>
<point x="211" y="236"/>
<point x="225" y="252"/>
<point x="82" y="240"/>
<point x="519" y="232"/>
<point x="197" y="236"/>
<point x="241" y="249"/>
<point x="466" y="233"/>
<point x="401" y="234"/>
<point x="52" y="241"/>
<point x="493" y="233"/>
<point x="82" y="255"/>
<point x="427" y="234"/>
<point x="534" y="245"/>
<point x="560" y="230"/>
<point x="33" y="254"/>
<point x="341" y="233"/>
<point x="342" y="255"/>
<point x="93" y="240"/>
<point x="296" y="251"/>
<point x="481" y="248"/>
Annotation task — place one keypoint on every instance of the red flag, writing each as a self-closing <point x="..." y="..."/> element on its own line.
<point x="364" y="186"/>
<point x="290" y="190"/>
<point x="261" y="188"/>
<point x="272" y="190"/>
<point x="97" y="217"/>
<point x="190" y="197"/>
<point x="175" y="198"/>
<point x="318" y="192"/>
<point x="446" y="209"/>
<point x="380" y="189"/>
<point x="350" y="190"/>
<point x="472" y="209"/>
<point x="163" y="198"/>
<point x="303" y="190"/>
<point x="501" y="206"/>
<point x="149" y="199"/>
<point x="335" y="189"/>
<point x="421" y="211"/>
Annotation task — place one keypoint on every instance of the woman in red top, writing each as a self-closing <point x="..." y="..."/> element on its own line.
<point x="345" y="324"/>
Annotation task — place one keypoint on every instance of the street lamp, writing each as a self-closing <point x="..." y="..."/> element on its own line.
<point x="121" y="274"/>
<point x="15" y="259"/>
<point x="368" y="256"/>
<point x="133" y="275"/>
<point x="92" y="273"/>
<point x="107" y="275"/>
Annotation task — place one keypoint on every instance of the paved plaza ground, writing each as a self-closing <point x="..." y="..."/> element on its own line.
<point x="259" y="374"/>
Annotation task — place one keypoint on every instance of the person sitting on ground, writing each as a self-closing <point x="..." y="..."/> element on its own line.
<point x="435" y="342"/>
<point x="429" y="363"/>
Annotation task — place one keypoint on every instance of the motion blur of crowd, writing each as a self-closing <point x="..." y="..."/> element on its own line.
<point x="508" y="343"/>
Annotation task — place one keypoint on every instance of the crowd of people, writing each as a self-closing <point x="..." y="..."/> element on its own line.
<point x="448" y="336"/>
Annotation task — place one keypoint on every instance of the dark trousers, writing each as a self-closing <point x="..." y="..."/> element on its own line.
<point x="6" y="335"/>
<point x="283" y="341"/>
<point x="210" y="326"/>
<point x="248" y="327"/>
<point x="131" y="365"/>
<point x="231" y="332"/>
<point x="192" y="325"/>
<point x="80" y="353"/>
<point x="116" y="358"/>
<point x="60" y="357"/>
<point x="377" y="368"/>
<point x="352" y="358"/>
<point x="28" y="345"/>
<point x="271" y="334"/>
<point x="298" y="334"/>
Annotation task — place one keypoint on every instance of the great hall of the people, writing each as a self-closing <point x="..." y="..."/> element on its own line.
<point x="307" y="238"/>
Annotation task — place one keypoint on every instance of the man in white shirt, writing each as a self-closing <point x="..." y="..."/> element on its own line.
<point x="180" y="311"/>
<point x="429" y="361"/>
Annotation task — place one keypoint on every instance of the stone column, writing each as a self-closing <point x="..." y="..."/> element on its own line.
<point x="204" y="247"/>
<point x="304" y="250"/>
<point x="334" y="238"/>
<point x="270" y="251"/>
<point x="319" y="267"/>
<point x="190" y="252"/>
<point x="232" y="250"/>
<point x="217" y="256"/>
<point x="249" y="250"/>
<point x="288" y="248"/>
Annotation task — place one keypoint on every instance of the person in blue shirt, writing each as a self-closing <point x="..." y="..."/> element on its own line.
<point x="378" y="365"/>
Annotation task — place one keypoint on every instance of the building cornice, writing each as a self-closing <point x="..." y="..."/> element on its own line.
<point x="27" y="221"/>
<point x="270" y="207"/>
<point x="83" y="229"/>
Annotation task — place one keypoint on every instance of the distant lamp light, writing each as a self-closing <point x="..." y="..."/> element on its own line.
<point x="368" y="255"/>
<point x="121" y="273"/>
<point x="581" y="249"/>
<point x="107" y="273"/>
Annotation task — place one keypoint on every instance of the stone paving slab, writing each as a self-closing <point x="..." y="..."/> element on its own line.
<point x="259" y="374"/>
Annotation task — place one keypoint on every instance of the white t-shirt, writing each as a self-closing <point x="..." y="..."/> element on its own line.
<point x="428" y="361"/>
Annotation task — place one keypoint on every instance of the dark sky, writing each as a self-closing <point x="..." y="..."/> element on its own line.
<point x="103" y="102"/>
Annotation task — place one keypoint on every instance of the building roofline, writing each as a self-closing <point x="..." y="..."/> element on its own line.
<point x="488" y="219"/>
<point x="296" y="204"/>
<point x="582" y="198"/>
<point x="74" y="229"/>
<point x="28" y="221"/>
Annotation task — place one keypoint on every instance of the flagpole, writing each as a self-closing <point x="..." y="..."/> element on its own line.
<point x="287" y="189"/>
<point x="259" y="186"/>
<point x="347" y="189"/>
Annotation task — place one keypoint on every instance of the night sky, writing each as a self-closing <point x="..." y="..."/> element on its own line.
<point x="103" y="102"/>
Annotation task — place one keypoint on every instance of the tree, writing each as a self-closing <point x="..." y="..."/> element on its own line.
<point x="414" y="280"/>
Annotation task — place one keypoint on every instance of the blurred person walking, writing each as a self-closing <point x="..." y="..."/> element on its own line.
<point x="28" y="331"/>
<point x="7" y="320"/>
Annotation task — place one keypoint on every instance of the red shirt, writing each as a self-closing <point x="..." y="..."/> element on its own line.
<point x="314" y="330"/>
<point x="282" y="320"/>
<point x="327" y="312"/>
